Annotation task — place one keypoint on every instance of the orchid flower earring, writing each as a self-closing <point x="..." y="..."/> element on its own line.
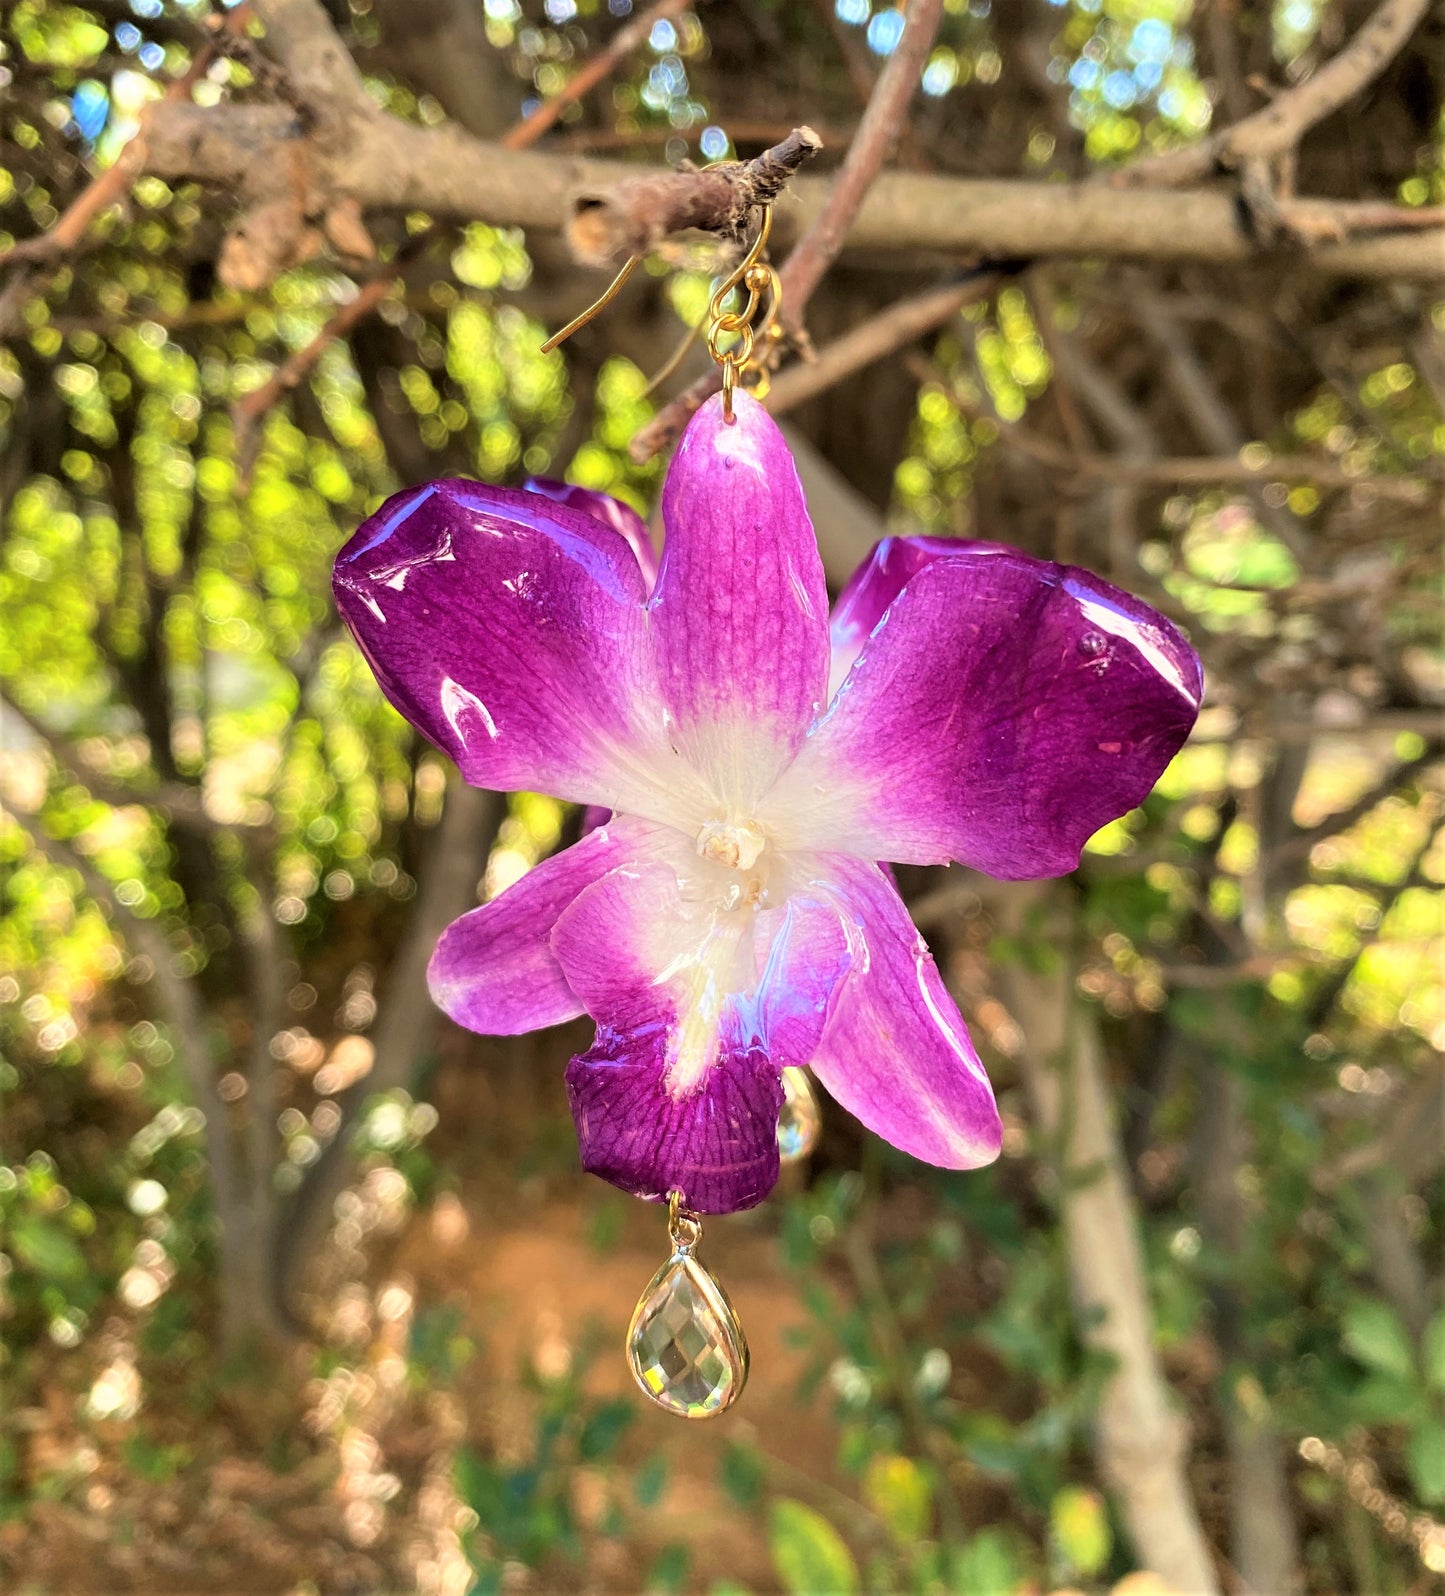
<point x="728" y="925"/>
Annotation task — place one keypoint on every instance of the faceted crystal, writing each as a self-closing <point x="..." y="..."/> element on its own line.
<point x="685" y="1346"/>
<point x="801" y="1118"/>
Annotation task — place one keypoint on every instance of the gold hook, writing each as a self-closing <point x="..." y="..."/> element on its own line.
<point x="751" y="273"/>
<point x="597" y="306"/>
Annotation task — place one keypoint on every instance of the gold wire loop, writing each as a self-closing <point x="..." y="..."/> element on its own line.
<point x="684" y="1228"/>
<point x="754" y="275"/>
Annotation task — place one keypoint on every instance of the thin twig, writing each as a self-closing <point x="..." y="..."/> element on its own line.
<point x="879" y="336"/>
<point x="106" y="187"/>
<point x="1300" y="845"/>
<point x="887" y="109"/>
<point x="619" y="47"/>
<point x="869" y="342"/>
<point x="1206" y="470"/>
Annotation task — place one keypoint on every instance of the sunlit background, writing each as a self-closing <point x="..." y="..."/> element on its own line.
<point x="302" y="1291"/>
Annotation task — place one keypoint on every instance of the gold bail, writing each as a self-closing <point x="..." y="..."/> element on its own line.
<point x="685" y="1347"/>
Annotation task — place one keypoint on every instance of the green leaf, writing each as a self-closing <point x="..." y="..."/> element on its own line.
<point x="650" y="1481"/>
<point x="47" y="1249"/>
<point x="899" y="1493"/>
<point x="603" y="1430"/>
<point x="986" y="1566"/>
<point x="1080" y="1524"/>
<point x="1382" y="1399"/>
<point x="1374" y="1335"/>
<point x="669" y="1571"/>
<point x="740" y="1473"/>
<point x="809" y="1555"/>
<point x="1435" y="1352"/>
<point x="1426" y="1456"/>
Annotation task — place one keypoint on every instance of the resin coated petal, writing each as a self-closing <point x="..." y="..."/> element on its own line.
<point x="896" y="1053"/>
<point x="696" y="1013"/>
<point x="739" y="614"/>
<point x="874" y="586"/>
<point x="494" y="971"/>
<point x="511" y="631"/>
<point x="1002" y="711"/>
<point x="622" y="518"/>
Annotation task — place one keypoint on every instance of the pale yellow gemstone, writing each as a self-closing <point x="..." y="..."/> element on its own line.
<point x="685" y="1346"/>
<point x="801" y="1118"/>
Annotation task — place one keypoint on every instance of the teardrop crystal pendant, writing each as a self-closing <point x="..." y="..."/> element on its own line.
<point x="685" y="1346"/>
<point x="801" y="1118"/>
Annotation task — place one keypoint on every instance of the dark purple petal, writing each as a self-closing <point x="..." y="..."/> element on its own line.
<point x="739" y="615"/>
<point x="697" y="1012"/>
<point x="718" y="1145"/>
<point x="622" y="518"/>
<point x="1003" y="711"/>
<point x="896" y="1053"/>
<point x="511" y="631"/>
<point x="494" y="971"/>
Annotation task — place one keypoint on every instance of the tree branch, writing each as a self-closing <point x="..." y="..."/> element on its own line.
<point x="252" y="408"/>
<point x="1280" y="126"/>
<point x="389" y="164"/>
<point x="635" y="215"/>
<point x="1141" y="1438"/>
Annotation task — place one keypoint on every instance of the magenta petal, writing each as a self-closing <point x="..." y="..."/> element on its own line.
<point x="696" y="1015"/>
<point x="739" y="614"/>
<point x="493" y="970"/>
<point x="1002" y="711"/>
<point x="511" y="631"/>
<point x="622" y="518"/>
<point x="896" y="1053"/>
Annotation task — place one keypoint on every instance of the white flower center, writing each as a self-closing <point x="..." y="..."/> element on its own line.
<point x="736" y="844"/>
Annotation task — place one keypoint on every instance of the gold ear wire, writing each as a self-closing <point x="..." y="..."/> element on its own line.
<point x="753" y="274"/>
<point x="675" y="359"/>
<point x="596" y="307"/>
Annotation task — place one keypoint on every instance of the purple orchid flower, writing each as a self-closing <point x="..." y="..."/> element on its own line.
<point x="730" y="918"/>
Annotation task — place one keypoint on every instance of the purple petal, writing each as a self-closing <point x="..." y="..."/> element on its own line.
<point x="874" y="586"/>
<point x="494" y="971"/>
<point x="1004" y="709"/>
<point x="896" y="1053"/>
<point x="594" y="815"/>
<point x="697" y="1012"/>
<point x="511" y="631"/>
<point x="622" y="518"/>
<point x="739" y="615"/>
